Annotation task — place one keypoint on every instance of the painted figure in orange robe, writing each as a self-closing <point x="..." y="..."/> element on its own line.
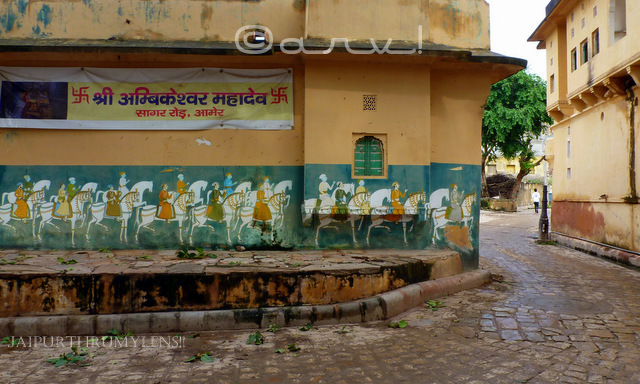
<point x="398" y="209"/>
<point x="261" y="212"/>
<point x="181" y="186"/>
<point x="165" y="209"/>
<point x="22" y="210"/>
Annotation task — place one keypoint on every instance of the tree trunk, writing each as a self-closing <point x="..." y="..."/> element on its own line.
<point x="523" y="172"/>
<point x="516" y="186"/>
<point x="484" y="189"/>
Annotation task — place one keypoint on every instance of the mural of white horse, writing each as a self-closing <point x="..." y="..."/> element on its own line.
<point x="36" y="198"/>
<point x="198" y="188"/>
<point x="131" y="200"/>
<point x="39" y="186"/>
<point x="411" y="209"/>
<point x="230" y="207"/>
<point x="243" y="187"/>
<point x="276" y="204"/>
<point x="435" y="201"/>
<point x="46" y="212"/>
<point x="283" y="186"/>
<point x="440" y="219"/>
<point x="354" y="206"/>
<point x="145" y="215"/>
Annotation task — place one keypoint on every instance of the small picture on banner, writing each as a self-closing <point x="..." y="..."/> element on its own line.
<point x="33" y="100"/>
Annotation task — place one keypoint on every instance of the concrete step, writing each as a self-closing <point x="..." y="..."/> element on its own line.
<point x="41" y="283"/>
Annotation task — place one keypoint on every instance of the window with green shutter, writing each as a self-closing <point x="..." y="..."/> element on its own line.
<point x="368" y="157"/>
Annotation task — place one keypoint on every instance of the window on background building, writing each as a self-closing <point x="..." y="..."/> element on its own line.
<point x="568" y="173"/>
<point x="584" y="51"/>
<point x="511" y="168"/>
<point x="595" y="42"/>
<point x="552" y="84"/>
<point x="583" y="23"/>
<point x="574" y="60"/>
<point x="618" y="19"/>
<point x="568" y="148"/>
<point x="595" y="11"/>
<point x="368" y="157"/>
<point x="492" y="169"/>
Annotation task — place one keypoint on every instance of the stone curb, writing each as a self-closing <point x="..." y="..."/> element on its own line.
<point x="379" y="307"/>
<point x="597" y="249"/>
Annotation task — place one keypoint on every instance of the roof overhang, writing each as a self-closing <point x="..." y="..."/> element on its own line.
<point x="556" y="12"/>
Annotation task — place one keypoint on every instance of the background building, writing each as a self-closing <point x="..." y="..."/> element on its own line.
<point x="593" y="67"/>
<point x="288" y="105"/>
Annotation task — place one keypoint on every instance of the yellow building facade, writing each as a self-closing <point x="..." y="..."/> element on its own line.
<point x="510" y="166"/>
<point x="593" y="67"/>
<point x="302" y="115"/>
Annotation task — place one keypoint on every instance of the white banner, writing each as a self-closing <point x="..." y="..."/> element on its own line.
<point x="146" y="99"/>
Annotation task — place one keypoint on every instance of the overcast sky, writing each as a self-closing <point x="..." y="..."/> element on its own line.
<point x="512" y="22"/>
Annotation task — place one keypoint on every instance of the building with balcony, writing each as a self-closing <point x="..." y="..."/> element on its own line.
<point x="593" y="67"/>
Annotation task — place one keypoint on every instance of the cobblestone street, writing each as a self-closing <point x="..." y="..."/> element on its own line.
<point x="551" y="315"/>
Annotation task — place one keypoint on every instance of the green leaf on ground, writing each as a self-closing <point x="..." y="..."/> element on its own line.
<point x="273" y="328"/>
<point x="434" y="304"/>
<point x="306" y="327"/>
<point x="204" y="357"/>
<point x="399" y="324"/>
<point x="62" y="261"/>
<point x="256" y="338"/>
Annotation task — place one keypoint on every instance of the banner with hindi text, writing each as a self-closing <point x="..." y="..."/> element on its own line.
<point x="151" y="99"/>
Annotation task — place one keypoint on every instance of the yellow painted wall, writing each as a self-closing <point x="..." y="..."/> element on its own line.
<point x="462" y="23"/>
<point x="501" y="164"/>
<point x="168" y="20"/>
<point x="371" y="19"/>
<point x="228" y="147"/>
<point x="557" y="65"/>
<point x="334" y="109"/>
<point x="598" y="156"/>
<point x="456" y="136"/>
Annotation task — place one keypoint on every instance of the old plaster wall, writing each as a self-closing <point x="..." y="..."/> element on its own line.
<point x="334" y="110"/>
<point x="463" y="23"/>
<point x="595" y="142"/>
<point x="460" y="23"/>
<point x="170" y="20"/>
<point x="455" y="138"/>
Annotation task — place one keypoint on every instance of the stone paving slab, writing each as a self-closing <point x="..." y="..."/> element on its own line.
<point x="38" y="261"/>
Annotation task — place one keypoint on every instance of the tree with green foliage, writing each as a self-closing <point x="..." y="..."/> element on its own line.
<point x="515" y="114"/>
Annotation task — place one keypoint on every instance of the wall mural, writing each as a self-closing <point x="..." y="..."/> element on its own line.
<point x="163" y="207"/>
<point x="143" y="211"/>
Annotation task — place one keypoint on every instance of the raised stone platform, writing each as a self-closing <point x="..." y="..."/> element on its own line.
<point x="48" y="283"/>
